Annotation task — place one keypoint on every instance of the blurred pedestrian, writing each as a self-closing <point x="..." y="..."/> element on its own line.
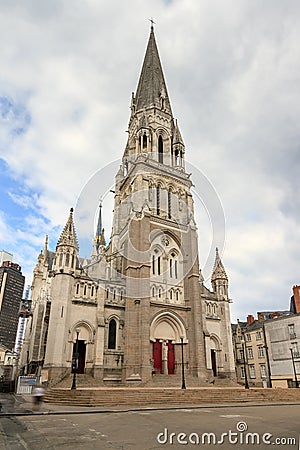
<point x="38" y="394"/>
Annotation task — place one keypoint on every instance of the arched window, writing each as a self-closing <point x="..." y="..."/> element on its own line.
<point x="77" y="288"/>
<point x="92" y="291"/>
<point x="153" y="265"/>
<point x="153" y="292"/>
<point x="60" y="259"/>
<point x="175" y="268"/>
<point x="171" y="268"/>
<point x="159" y="293"/>
<point x="171" y="295"/>
<point x="160" y="150"/>
<point x="158" y="265"/>
<point x="114" y="294"/>
<point x="84" y="290"/>
<point x="158" y="200"/>
<point x="144" y="141"/>
<point x="177" y="296"/>
<point x="169" y="205"/>
<point x="67" y="259"/>
<point x="121" y="295"/>
<point x="112" y="334"/>
<point x="107" y="293"/>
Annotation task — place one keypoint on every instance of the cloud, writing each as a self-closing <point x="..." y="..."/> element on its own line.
<point x="232" y="71"/>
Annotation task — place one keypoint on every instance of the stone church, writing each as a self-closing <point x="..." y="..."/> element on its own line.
<point x="126" y="314"/>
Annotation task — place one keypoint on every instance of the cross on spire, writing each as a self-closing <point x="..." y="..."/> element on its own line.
<point x="152" y="22"/>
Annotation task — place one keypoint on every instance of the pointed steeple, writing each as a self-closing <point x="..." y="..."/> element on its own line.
<point x="99" y="238"/>
<point x="177" y="138"/>
<point x="67" y="248"/>
<point x="68" y="236"/>
<point x="152" y="89"/>
<point x="219" y="279"/>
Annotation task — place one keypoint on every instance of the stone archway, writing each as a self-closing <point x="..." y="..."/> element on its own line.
<point x="165" y="332"/>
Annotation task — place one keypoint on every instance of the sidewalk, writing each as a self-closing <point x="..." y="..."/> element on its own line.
<point x="21" y="405"/>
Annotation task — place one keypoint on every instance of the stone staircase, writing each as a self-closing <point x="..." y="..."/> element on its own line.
<point x="167" y="396"/>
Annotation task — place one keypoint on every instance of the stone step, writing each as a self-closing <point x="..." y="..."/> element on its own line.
<point x="160" y="396"/>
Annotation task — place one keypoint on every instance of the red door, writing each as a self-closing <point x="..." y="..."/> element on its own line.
<point x="171" y="358"/>
<point x="157" y="356"/>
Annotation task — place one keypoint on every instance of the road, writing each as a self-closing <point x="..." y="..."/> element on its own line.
<point x="156" y="429"/>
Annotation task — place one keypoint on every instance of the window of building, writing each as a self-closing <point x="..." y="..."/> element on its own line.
<point x="171" y="268"/>
<point x="295" y="350"/>
<point x="84" y="290"/>
<point x="158" y="265"/>
<point x="241" y="354"/>
<point x="114" y="294"/>
<point x="144" y="141"/>
<point x="292" y="333"/>
<point x="158" y="200"/>
<point x="258" y="335"/>
<point x="160" y="150"/>
<point x="169" y="205"/>
<point x="67" y="258"/>
<point x="251" y="370"/>
<point x="153" y="292"/>
<point x="153" y="265"/>
<point x="248" y="337"/>
<point x="171" y="295"/>
<point x="250" y="352"/>
<point x="92" y="291"/>
<point x="112" y="334"/>
<point x="261" y="352"/>
<point x="107" y="293"/>
<point x="77" y="288"/>
<point x="177" y="296"/>
<point x="242" y="372"/>
<point x="263" y="371"/>
<point x="60" y="259"/>
<point x="159" y="292"/>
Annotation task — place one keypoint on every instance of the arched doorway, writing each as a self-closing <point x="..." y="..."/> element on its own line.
<point x="81" y="352"/>
<point x="165" y="332"/>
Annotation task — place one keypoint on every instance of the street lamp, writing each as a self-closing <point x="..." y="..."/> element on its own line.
<point x="182" y="364"/>
<point x="75" y="360"/>
<point x="244" y="353"/>
<point x="295" y="373"/>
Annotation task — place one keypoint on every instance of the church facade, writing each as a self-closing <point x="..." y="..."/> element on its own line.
<point x="125" y="315"/>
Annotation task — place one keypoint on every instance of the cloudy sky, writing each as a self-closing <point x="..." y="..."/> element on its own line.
<point x="232" y="69"/>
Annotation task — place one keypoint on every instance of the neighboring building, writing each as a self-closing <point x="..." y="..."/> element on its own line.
<point x="124" y="313"/>
<point x="11" y="291"/>
<point x="8" y="365"/>
<point x="24" y="313"/>
<point x="295" y="300"/>
<point x="5" y="256"/>
<point x="250" y="336"/>
<point x="283" y="339"/>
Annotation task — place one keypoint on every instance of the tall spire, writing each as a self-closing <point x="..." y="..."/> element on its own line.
<point x="68" y="236"/>
<point x="219" y="279"/>
<point x="219" y="272"/>
<point x="152" y="89"/>
<point x="99" y="238"/>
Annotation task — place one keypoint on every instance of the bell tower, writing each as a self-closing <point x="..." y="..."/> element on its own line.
<point x="155" y="232"/>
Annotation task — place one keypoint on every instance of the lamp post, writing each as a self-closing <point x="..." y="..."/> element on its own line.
<point x="182" y="365"/>
<point x="294" y="367"/>
<point x="244" y="353"/>
<point x="75" y="360"/>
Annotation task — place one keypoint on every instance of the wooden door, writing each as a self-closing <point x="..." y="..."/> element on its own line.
<point x="157" y="356"/>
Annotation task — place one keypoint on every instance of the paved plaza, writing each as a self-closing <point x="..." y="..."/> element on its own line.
<point x="213" y="426"/>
